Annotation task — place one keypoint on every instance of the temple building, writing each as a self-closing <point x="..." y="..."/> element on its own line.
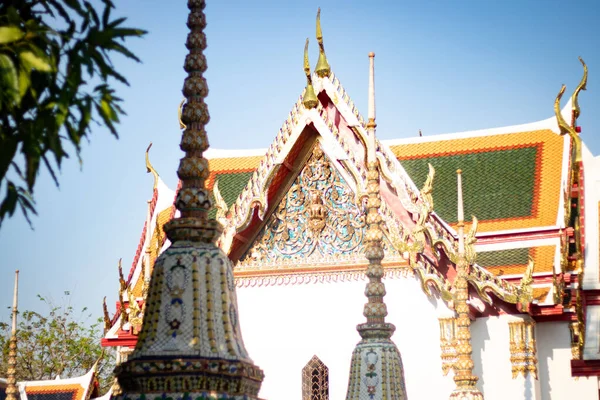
<point x="514" y="301"/>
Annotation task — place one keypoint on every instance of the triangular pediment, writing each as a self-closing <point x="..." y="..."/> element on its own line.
<point x="318" y="225"/>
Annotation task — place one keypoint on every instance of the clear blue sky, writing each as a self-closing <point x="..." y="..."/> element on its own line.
<point x="441" y="66"/>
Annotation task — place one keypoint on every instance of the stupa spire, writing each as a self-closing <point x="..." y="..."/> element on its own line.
<point x="12" y="392"/>
<point x="376" y="370"/>
<point x="190" y="345"/>
<point x="466" y="381"/>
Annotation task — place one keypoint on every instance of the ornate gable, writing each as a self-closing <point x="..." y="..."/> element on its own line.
<point x="317" y="226"/>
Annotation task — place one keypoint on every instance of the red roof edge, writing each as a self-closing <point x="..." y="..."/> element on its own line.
<point x="138" y="252"/>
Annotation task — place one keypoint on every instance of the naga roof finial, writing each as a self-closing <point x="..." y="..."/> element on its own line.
<point x="150" y="168"/>
<point x="323" y="69"/>
<point x="310" y="98"/>
<point x="582" y="86"/>
<point x="566" y="129"/>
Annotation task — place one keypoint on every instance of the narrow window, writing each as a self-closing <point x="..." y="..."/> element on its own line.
<point x="315" y="380"/>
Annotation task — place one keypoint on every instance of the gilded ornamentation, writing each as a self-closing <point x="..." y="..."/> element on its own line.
<point x="317" y="218"/>
<point x="317" y="212"/>
<point x="566" y="129"/>
<point x="558" y="288"/>
<point x="430" y="277"/>
<point x="106" y="316"/>
<point x="122" y="292"/>
<point x="135" y="315"/>
<point x="181" y="124"/>
<point x="582" y="86"/>
<point x="470" y="240"/>
<point x="484" y="282"/>
<point x="523" y="353"/>
<point x="525" y="289"/>
<point x="323" y="69"/>
<point x="150" y="168"/>
<point x="310" y="98"/>
<point x="224" y="218"/>
<point x="448" y="343"/>
<point x="578" y="327"/>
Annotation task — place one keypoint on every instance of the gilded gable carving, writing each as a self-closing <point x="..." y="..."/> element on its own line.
<point x="317" y="222"/>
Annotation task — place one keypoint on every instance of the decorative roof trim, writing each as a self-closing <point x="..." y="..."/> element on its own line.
<point x="547" y="124"/>
<point x="212" y="153"/>
<point x="517" y="244"/>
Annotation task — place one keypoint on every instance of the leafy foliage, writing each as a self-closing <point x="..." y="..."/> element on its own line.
<point x="55" y="80"/>
<point x="57" y="343"/>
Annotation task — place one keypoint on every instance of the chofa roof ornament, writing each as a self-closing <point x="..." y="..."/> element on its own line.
<point x="323" y="69"/>
<point x="310" y="98"/>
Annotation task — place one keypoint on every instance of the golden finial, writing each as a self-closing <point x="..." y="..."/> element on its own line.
<point x="525" y="289"/>
<point x="566" y="129"/>
<point x="470" y="239"/>
<point x="310" y="98"/>
<point x="582" y="86"/>
<point x="323" y="69"/>
<point x="122" y="282"/>
<point x="107" y="320"/>
<point x="150" y="168"/>
<point x="181" y="124"/>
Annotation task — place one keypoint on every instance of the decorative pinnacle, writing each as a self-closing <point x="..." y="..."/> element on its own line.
<point x="150" y="168"/>
<point x="375" y="309"/>
<point x="566" y="129"/>
<point x="12" y="393"/>
<point x="466" y="382"/>
<point x="582" y="86"/>
<point x="323" y="69"/>
<point x="310" y="98"/>
<point x="193" y="199"/>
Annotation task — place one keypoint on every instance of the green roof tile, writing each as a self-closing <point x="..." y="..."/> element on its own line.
<point x="497" y="184"/>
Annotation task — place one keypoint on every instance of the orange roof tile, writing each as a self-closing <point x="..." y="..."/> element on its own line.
<point x="515" y="178"/>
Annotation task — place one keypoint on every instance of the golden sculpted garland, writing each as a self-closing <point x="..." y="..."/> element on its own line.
<point x="523" y="353"/>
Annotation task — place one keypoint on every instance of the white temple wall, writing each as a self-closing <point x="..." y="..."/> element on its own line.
<point x="284" y="326"/>
<point x="554" y="365"/>
<point x="491" y="355"/>
<point x="591" y="349"/>
<point x="591" y="277"/>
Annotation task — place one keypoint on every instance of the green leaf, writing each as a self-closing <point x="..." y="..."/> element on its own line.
<point x="10" y="34"/>
<point x="8" y="77"/>
<point x="35" y="61"/>
<point x="24" y="81"/>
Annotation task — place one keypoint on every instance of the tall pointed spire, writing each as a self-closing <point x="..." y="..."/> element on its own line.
<point x="323" y="69"/>
<point x="376" y="370"/>
<point x="466" y="382"/>
<point x="310" y="98"/>
<point x="12" y="392"/>
<point x="191" y="344"/>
